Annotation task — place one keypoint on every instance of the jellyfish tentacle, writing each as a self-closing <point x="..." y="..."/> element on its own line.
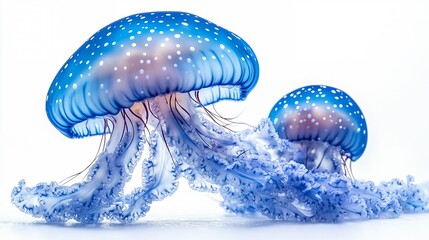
<point x="160" y="172"/>
<point x="159" y="180"/>
<point x="91" y="200"/>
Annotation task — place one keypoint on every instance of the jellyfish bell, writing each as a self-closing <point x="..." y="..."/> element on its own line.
<point x="143" y="56"/>
<point x="142" y="79"/>
<point x="325" y="122"/>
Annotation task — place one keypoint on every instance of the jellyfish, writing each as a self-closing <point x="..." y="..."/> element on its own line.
<point x="326" y="122"/>
<point x="318" y="127"/>
<point x="144" y="80"/>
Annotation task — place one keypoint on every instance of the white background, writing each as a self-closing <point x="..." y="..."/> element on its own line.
<point x="376" y="51"/>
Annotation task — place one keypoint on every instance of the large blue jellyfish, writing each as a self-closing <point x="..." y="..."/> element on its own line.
<point x="141" y="79"/>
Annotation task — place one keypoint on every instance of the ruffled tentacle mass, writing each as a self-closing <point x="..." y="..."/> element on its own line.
<point x="98" y="195"/>
<point x="256" y="171"/>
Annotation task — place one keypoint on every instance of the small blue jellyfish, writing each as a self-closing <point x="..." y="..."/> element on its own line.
<point x="142" y="79"/>
<point x="317" y="128"/>
<point x="326" y="122"/>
